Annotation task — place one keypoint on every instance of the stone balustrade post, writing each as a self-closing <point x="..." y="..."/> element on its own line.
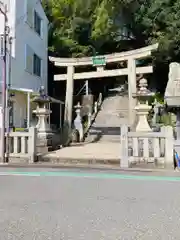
<point x="169" y="146"/>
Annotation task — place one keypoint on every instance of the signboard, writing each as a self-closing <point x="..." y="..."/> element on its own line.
<point x="99" y="61"/>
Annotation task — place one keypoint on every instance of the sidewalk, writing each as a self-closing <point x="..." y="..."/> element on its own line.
<point x="98" y="156"/>
<point x="86" y="153"/>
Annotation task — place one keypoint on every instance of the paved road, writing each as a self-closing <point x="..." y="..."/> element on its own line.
<point x="66" y="205"/>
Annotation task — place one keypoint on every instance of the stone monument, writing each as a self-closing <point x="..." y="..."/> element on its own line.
<point x="172" y="98"/>
<point x="143" y="108"/>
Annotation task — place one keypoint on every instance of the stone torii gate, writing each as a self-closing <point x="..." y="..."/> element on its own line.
<point x="131" y="71"/>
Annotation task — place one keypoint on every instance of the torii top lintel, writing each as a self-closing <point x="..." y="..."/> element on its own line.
<point x="114" y="57"/>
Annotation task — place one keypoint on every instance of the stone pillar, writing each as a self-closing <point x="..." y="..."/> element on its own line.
<point x="132" y="90"/>
<point x="69" y="95"/>
<point x="68" y="105"/>
<point x="177" y="142"/>
<point x="28" y="109"/>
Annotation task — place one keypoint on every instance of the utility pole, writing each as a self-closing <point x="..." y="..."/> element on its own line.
<point x="8" y="86"/>
<point x="3" y="114"/>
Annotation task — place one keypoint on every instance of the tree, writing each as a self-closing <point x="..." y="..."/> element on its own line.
<point x="158" y="21"/>
<point x="152" y="21"/>
<point x="82" y="28"/>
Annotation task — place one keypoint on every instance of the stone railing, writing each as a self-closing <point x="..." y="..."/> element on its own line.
<point x="22" y="146"/>
<point x="147" y="147"/>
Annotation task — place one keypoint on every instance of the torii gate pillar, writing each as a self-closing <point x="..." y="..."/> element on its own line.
<point x="132" y="89"/>
<point x="68" y="104"/>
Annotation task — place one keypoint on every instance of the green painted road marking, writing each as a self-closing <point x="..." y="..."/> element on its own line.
<point x="89" y="175"/>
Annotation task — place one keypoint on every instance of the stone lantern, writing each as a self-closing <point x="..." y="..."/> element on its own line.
<point x="143" y="108"/>
<point x="44" y="132"/>
<point x="78" y="121"/>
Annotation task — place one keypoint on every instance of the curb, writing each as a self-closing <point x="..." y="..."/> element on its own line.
<point x="85" y="167"/>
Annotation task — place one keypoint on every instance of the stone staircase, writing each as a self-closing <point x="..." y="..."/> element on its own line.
<point x="113" y="114"/>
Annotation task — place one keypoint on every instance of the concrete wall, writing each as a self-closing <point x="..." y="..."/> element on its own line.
<point x="23" y="34"/>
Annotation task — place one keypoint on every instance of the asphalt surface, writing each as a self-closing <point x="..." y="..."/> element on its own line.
<point x="85" y="205"/>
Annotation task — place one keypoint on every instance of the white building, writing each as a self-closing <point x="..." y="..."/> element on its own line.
<point x="29" y="31"/>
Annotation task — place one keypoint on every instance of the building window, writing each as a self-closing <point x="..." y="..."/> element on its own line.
<point x="36" y="65"/>
<point x="29" y="59"/>
<point x="29" y="13"/>
<point x="37" y="23"/>
<point x="33" y="63"/>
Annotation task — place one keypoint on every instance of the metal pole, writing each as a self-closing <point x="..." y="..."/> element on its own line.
<point x="2" y="149"/>
<point x="60" y="122"/>
<point x="28" y="109"/>
<point x="49" y="118"/>
<point x="87" y="87"/>
<point x="8" y="86"/>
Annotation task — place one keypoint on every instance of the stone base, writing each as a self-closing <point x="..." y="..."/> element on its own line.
<point x="142" y="112"/>
<point x="43" y="149"/>
<point x="47" y="142"/>
<point x="44" y="142"/>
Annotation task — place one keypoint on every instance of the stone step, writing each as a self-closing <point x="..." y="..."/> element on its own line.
<point x="110" y="138"/>
<point x="105" y="130"/>
<point x="113" y="114"/>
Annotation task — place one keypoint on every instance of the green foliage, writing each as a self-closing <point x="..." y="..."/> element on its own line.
<point x="166" y="119"/>
<point x="80" y="27"/>
<point x="159" y="97"/>
<point x="158" y="21"/>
